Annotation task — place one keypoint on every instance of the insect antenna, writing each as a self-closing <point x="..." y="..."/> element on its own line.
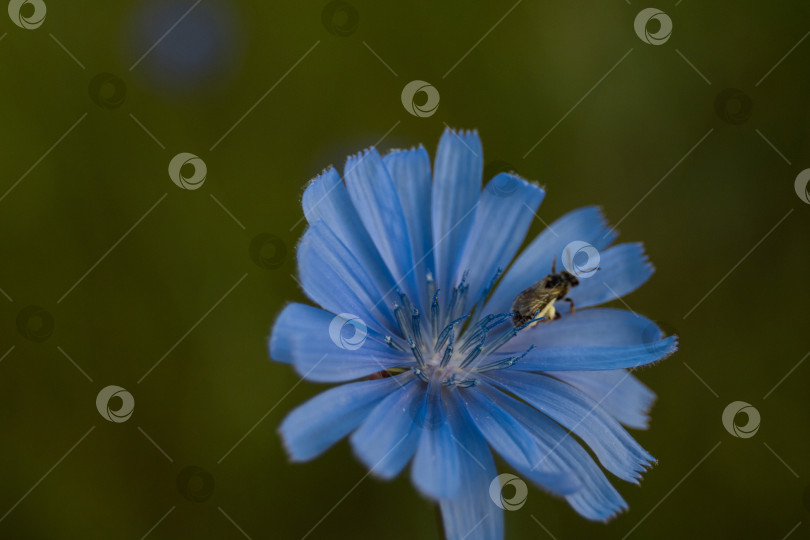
<point x="570" y="258"/>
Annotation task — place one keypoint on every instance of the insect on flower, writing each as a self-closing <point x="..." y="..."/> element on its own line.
<point x="536" y="304"/>
<point x="451" y="363"/>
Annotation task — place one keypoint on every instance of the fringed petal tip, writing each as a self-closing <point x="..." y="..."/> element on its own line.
<point x="418" y="147"/>
<point x="514" y="180"/>
<point x="663" y="349"/>
<point x="637" y="475"/>
<point x="329" y="169"/>
<point x="642" y="260"/>
<point x="311" y="188"/>
<point x="461" y="142"/>
<point x="354" y="159"/>
<point x="612" y="232"/>
<point x="613" y="513"/>
<point x="642" y="422"/>
<point x="645" y="258"/>
<point x="460" y="132"/>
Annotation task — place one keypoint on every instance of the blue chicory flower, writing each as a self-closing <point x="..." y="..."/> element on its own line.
<point x="416" y="321"/>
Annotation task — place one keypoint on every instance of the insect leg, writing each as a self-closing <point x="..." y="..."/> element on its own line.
<point x="570" y="301"/>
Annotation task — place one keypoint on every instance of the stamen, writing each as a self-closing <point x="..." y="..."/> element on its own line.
<point x="402" y="322"/>
<point x="468" y="340"/>
<point x="500" y="364"/>
<point x="505" y="363"/>
<point x="446" y="332"/>
<point x="473" y="354"/>
<point x="462" y="300"/>
<point x="492" y="281"/>
<point x="420" y="374"/>
<point x="499" y="341"/>
<point x="417" y="354"/>
<point x="417" y="332"/>
<point x="434" y="315"/>
<point x="535" y="319"/>
<point x="431" y="284"/>
<point x="393" y="344"/>
<point x="500" y="318"/>
<point x="406" y="302"/>
<point x="484" y="325"/>
<point x="457" y="298"/>
<point x="448" y="352"/>
<point x="480" y="304"/>
<point x="471" y="344"/>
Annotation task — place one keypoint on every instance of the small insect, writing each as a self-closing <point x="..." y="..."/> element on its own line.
<point x="538" y="300"/>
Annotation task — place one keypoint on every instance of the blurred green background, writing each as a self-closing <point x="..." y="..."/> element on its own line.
<point x="132" y="270"/>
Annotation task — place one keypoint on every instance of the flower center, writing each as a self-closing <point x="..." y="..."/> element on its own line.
<point x="447" y="352"/>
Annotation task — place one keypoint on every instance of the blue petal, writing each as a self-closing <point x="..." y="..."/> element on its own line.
<point x="335" y="279"/>
<point x="595" y="358"/>
<point x="388" y="437"/>
<point x="456" y="187"/>
<point x="597" y="499"/>
<point x="622" y="269"/>
<point x="590" y="339"/>
<point x="617" y="451"/>
<point x="471" y="515"/>
<point x="326" y="199"/>
<point x="301" y="335"/>
<point x="435" y="470"/>
<point x="410" y="171"/>
<point x="586" y="224"/>
<point x="515" y="444"/>
<point x="313" y="427"/>
<point x="505" y="210"/>
<point x="374" y="196"/>
<point x="620" y="393"/>
<point x="588" y="327"/>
